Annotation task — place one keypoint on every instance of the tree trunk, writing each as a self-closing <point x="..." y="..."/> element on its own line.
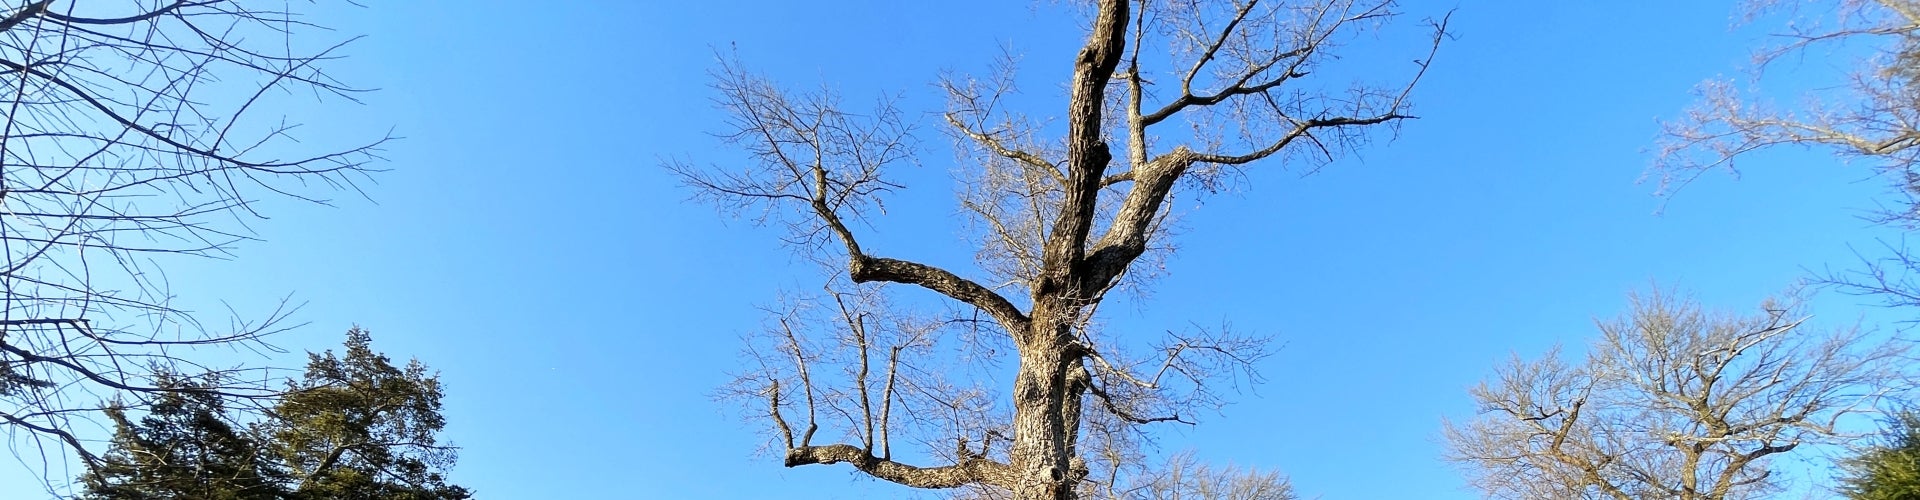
<point x="1046" y="397"/>
<point x="1046" y="416"/>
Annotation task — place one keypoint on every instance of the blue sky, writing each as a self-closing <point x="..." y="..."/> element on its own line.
<point x="527" y="244"/>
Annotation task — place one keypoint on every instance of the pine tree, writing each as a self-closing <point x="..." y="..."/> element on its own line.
<point x="184" y="447"/>
<point x="354" y="427"/>
<point x="1891" y="469"/>
<point x="359" y="427"/>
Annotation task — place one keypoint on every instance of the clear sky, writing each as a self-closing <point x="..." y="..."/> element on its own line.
<point x="527" y="244"/>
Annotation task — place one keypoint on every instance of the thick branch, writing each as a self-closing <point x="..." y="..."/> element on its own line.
<point x="23" y="14"/>
<point x="1126" y="238"/>
<point x="773" y="410"/>
<point x="1087" y="155"/>
<point x="970" y="470"/>
<point x="886" y="404"/>
<point x="865" y="268"/>
<point x="862" y="268"/>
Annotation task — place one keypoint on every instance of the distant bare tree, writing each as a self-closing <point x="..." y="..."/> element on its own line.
<point x="1673" y="402"/>
<point x="1184" y="478"/>
<point x="131" y="132"/>
<point x="1181" y="476"/>
<point x="1065" y="220"/>
<point x="1874" y="119"/>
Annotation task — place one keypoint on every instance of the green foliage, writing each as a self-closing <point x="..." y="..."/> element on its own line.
<point x="185" y="447"/>
<point x="1890" y="470"/>
<point x="355" y="427"/>
<point x="359" y="427"/>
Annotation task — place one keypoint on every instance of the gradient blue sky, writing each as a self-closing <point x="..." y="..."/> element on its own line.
<point x="527" y="245"/>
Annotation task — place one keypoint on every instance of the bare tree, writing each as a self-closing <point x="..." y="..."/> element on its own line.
<point x="1185" y="478"/>
<point x="1163" y="94"/>
<point x="136" y="132"/>
<point x="1873" y="118"/>
<point x="1673" y="402"/>
<point x="1182" y="476"/>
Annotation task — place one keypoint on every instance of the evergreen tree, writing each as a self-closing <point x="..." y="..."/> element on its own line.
<point x="184" y="447"/>
<point x="1891" y="469"/>
<point x="359" y="427"/>
<point x="355" y="427"/>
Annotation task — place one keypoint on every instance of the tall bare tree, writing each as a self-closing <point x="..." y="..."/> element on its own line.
<point x="1673" y="402"/>
<point x="1872" y="119"/>
<point x="1163" y="94"/>
<point x="133" y="132"/>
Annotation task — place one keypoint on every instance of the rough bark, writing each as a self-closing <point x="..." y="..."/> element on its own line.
<point x="1042" y="439"/>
